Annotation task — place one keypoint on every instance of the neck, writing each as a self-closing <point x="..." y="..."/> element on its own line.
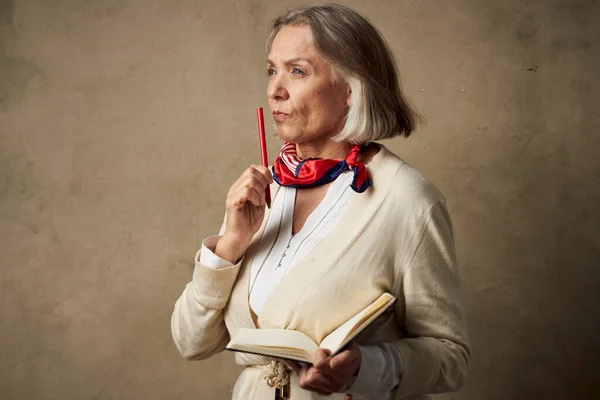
<point x="323" y="149"/>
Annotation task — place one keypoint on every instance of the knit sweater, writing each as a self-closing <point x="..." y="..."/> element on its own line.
<point x="396" y="238"/>
<point x="381" y="366"/>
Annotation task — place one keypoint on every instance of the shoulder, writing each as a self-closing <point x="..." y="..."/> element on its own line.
<point x="401" y="185"/>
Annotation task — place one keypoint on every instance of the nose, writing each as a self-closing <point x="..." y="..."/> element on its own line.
<point x="277" y="88"/>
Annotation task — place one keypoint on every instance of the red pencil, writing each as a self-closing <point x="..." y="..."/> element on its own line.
<point x="263" y="149"/>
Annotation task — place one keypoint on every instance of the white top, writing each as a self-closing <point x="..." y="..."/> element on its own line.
<point x="274" y="260"/>
<point x="381" y="364"/>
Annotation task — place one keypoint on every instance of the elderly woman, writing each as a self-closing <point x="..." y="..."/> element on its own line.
<point x="349" y="221"/>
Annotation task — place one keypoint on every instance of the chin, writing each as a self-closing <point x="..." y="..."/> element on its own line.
<point x="287" y="134"/>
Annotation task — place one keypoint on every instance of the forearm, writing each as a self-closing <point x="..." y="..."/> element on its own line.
<point x="198" y="331"/>
<point x="230" y="248"/>
<point x="432" y="365"/>
<point x="197" y="322"/>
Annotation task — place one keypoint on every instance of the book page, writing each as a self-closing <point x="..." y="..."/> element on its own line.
<point x="349" y="329"/>
<point x="274" y="342"/>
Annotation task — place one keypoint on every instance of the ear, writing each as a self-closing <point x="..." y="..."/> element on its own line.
<point x="348" y="95"/>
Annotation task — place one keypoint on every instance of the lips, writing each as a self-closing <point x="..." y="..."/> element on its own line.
<point x="279" y="116"/>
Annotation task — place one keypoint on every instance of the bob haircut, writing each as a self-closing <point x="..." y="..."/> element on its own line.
<point x="359" y="55"/>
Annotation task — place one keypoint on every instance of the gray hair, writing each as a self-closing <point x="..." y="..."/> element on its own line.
<point x="358" y="54"/>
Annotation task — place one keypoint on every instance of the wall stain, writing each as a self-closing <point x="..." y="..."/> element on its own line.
<point x="92" y="8"/>
<point x="108" y="9"/>
<point x="6" y="177"/>
<point x="527" y="29"/>
<point x="15" y="72"/>
<point x="15" y="75"/>
<point x="254" y="10"/>
<point x="7" y="11"/>
<point x="570" y="43"/>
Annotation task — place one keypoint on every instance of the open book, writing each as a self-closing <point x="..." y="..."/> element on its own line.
<point x="295" y="345"/>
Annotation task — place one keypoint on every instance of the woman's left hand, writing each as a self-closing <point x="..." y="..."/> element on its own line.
<point x="329" y="374"/>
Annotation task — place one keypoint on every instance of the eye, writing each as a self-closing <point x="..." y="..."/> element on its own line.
<point x="270" y="71"/>
<point x="297" y="71"/>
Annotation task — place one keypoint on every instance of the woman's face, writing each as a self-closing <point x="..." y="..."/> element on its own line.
<point x="306" y="102"/>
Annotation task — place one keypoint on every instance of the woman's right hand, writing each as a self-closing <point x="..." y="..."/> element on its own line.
<point x="245" y="210"/>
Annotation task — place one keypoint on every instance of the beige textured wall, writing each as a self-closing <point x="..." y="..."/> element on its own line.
<point x="122" y="124"/>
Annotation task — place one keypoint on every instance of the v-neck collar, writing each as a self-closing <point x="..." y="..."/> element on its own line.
<point x="332" y="195"/>
<point x="241" y="289"/>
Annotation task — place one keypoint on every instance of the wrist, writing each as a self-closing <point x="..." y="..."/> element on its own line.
<point x="231" y="248"/>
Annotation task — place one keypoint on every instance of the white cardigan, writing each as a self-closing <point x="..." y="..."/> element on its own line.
<point x="395" y="238"/>
<point x="381" y="364"/>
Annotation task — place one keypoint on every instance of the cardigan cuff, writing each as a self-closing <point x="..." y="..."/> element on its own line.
<point x="418" y="365"/>
<point x="379" y="374"/>
<point x="214" y="285"/>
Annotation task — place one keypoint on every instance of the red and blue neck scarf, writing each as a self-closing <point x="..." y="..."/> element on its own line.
<point x="291" y="171"/>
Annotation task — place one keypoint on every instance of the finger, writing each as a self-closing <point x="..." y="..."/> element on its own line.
<point x="315" y="379"/>
<point x="293" y="365"/>
<point x="348" y="397"/>
<point x="345" y="359"/>
<point x="321" y="358"/>
<point x="256" y="184"/>
<point x="265" y="172"/>
<point x="238" y="194"/>
<point x="250" y="177"/>
<point x="249" y="194"/>
<point x="315" y="382"/>
<point x="260" y="173"/>
<point x="251" y="181"/>
<point x="322" y="362"/>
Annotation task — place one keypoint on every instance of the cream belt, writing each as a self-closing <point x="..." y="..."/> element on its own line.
<point x="278" y="376"/>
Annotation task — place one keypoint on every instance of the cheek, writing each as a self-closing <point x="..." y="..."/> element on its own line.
<point x="302" y="103"/>
<point x="315" y="107"/>
<point x="312" y="106"/>
<point x="326" y="108"/>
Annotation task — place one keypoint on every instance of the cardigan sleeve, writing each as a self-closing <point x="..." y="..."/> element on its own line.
<point x="197" y="322"/>
<point x="379" y="373"/>
<point x="436" y="352"/>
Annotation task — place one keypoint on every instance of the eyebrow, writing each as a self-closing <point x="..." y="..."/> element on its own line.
<point x="291" y="61"/>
